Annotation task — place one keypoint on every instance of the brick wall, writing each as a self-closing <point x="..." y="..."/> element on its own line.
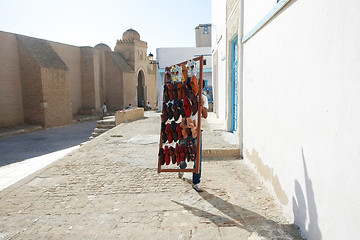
<point x="113" y="84"/>
<point x="56" y="97"/>
<point x="33" y="104"/>
<point x="11" y="109"/>
<point x="87" y="77"/>
<point x="71" y="56"/>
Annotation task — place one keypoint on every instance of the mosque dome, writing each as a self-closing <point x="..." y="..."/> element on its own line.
<point x="103" y="46"/>
<point x="131" y="34"/>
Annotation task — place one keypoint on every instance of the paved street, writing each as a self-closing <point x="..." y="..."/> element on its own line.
<point x="22" y="155"/>
<point x="20" y="147"/>
<point x="109" y="188"/>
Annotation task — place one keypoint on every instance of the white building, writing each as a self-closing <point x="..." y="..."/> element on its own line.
<point x="290" y="94"/>
<point x="170" y="56"/>
<point x="167" y="57"/>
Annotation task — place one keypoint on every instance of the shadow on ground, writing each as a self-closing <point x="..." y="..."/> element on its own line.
<point x="235" y="216"/>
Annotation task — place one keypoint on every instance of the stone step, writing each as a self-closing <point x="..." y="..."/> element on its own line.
<point x="109" y="117"/>
<point x="100" y="130"/>
<point x="106" y="122"/>
<point x="105" y="126"/>
<point x="218" y="153"/>
<point x="94" y="134"/>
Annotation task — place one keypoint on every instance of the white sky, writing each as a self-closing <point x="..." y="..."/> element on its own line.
<point x="161" y="23"/>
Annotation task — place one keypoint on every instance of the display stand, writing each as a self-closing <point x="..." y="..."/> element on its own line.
<point x="198" y="97"/>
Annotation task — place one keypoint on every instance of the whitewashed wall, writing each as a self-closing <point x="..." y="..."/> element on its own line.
<point x="301" y="112"/>
<point x="218" y="49"/>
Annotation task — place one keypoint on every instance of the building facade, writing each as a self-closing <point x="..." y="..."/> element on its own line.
<point x="47" y="83"/>
<point x="170" y="56"/>
<point x="289" y="89"/>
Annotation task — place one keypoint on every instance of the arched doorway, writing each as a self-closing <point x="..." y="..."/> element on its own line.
<point x="140" y="89"/>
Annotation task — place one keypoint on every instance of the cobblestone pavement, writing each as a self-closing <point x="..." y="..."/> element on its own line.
<point x="110" y="189"/>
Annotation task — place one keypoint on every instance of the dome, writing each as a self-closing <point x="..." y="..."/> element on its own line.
<point x="102" y="46"/>
<point x="131" y="34"/>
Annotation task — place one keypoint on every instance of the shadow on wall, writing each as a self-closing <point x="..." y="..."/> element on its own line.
<point x="235" y="216"/>
<point x="305" y="208"/>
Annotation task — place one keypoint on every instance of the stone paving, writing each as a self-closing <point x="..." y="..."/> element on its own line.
<point x="109" y="188"/>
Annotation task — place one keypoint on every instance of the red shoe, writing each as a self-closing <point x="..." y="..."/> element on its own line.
<point x="168" y="133"/>
<point x="178" y="130"/>
<point x="167" y="155"/>
<point x="182" y="152"/>
<point x="179" y="90"/>
<point x="166" y="93"/>
<point x="187" y="107"/>
<point x="171" y="93"/>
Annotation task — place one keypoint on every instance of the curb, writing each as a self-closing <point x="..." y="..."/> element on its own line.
<point x="219" y="153"/>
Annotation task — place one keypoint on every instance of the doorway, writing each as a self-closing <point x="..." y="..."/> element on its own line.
<point x="234" y="84"/>
<point x="140" y="89"/>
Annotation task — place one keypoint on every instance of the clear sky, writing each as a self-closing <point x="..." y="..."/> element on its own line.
<point x="161" y="23"/>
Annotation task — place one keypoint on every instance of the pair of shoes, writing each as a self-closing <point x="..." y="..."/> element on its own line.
<point x="198" y="187"/>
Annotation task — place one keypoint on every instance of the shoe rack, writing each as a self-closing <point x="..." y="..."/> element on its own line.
<point x="169" y="145"/>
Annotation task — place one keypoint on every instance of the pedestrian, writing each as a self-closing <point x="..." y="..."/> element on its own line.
<point x="148" y="107"/>
<point x="183" y="165"/>
<point x="104" y="109"/>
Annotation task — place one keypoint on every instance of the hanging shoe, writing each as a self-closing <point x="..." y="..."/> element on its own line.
<point x="167" y="155"/>
<point x="161" y="156"/>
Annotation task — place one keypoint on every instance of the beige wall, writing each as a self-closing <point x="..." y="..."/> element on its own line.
<point x="113" y="85"/>
<point x="71" y="56"/>
<point x="151" y="87"/>
<point x="56" y="97"/>
<point x="87" y="78"/>
<point x="31" y="87"/>
<point x="130" y="95"/>
<point x="11" y="109"/>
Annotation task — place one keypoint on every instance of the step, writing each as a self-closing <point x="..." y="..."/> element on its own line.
<point x="94" y="134"/>
<point x="218" y="153"/>
<point x="109" y="117"/>
<point x="105" y="126"/>
<point x="101" y="130"/>
<point x="106" y="122"/>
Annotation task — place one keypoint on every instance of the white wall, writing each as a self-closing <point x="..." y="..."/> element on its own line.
<point x="218" y="45"/>
<point x="301" y="115"/>
<point x="166" y="57"/>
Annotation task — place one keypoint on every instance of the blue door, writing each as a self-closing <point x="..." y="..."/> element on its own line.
<point x="234" y="85"/>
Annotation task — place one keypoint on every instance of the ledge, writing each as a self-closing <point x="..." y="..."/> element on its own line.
<point x="265" y="20"/>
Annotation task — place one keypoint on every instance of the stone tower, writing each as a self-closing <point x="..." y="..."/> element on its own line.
<point x="131" y="47"/>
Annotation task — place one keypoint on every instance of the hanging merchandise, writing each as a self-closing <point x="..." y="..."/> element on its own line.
<point x="182" y="84"/>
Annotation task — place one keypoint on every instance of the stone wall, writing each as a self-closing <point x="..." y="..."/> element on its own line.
<point x="87" y="78"/>
<point x="56" y="97"/>
<point x="32" y="97"/>
<point x="114" y="84"/>
<point x="11" y="108"/>
<point x="71" y="56"/>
